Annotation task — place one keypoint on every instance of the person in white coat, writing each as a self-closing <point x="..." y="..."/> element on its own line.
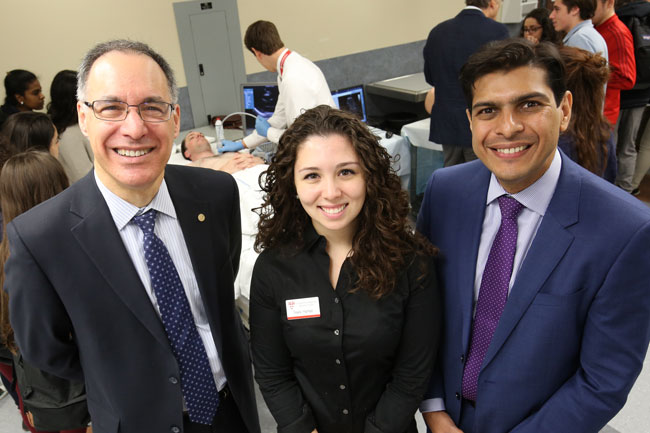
<point x="301" y="84"/>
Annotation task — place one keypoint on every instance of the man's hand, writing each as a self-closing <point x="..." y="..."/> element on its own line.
<point x="532" y="39"/>
<point x="262" y="126"/>
<point x="230" y="146"/>
<point x="440" y="422"/>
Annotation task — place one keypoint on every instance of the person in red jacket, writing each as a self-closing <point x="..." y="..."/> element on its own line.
<point x="620" y="47"/>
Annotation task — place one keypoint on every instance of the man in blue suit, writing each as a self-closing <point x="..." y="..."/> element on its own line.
<point x="448" y="47"/>
<point x="547" y="309"/>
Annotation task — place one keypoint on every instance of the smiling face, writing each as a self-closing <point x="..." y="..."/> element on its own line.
<point x="32" y="98"/>
<point x="130" y="155"/>
<point x="515" y="123"/>
<point x="330" y="184"/>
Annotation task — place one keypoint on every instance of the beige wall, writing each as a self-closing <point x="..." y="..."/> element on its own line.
<point x="331" y="28"/>
<point x="45" y="36"/>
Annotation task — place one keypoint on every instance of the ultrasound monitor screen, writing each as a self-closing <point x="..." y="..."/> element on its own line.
<point x="351" y="99"/>
<point x="258" y="99"/>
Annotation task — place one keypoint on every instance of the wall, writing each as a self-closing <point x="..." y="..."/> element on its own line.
<point x="346" y="27"/>
<point x="45" y="36"/>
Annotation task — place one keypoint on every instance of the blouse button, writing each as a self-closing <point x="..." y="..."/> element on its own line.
<point x="345" y="412"/>
<point x="336" y="300"/>
<point x="342" y="386"/>
<point x="336" y="332"/>
<point x="338" y="361"/>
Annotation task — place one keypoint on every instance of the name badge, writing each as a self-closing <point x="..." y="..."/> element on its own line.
<point x="304" y="308"/>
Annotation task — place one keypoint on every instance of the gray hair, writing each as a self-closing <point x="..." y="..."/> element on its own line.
<point x="124" y="46"/>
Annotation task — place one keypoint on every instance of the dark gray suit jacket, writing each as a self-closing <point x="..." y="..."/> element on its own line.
<point x="79" y="309"/>
<point x="448" y="47"/>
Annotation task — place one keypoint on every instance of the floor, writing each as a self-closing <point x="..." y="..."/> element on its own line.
<point x="633" y="418"/>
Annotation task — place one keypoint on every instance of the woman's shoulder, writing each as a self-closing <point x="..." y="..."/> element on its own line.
<point x="278" y="257"/>
<point x="420" y="268"/>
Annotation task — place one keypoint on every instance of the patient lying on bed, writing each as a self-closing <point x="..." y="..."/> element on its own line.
<point x="196" y="148"/>
<point x="246" y="169"/>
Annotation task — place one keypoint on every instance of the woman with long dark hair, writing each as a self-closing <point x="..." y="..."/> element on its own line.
<point x="344" y="307"/>
<point x="26" y="180"/>
<point x="28" y="131"/>
<point x="537" y="27"/>
<point x="75" y="153"/>
<point x="588" y="140"/>
<point x="23" y="93"/>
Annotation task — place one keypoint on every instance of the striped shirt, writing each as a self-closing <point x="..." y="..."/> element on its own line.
<point x="169" y="231"/>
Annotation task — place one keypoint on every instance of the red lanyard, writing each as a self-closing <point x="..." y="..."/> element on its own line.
<point x="284" y="57"/>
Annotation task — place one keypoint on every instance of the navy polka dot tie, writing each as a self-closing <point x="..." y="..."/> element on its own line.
<point x="493" y="293"/>
<point x="197" y="382"/>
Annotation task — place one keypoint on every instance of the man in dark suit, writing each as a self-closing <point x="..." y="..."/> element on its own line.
<point x="125" y="280"/>
<point x="448" y="47"/>
<point x="544" y="265"/>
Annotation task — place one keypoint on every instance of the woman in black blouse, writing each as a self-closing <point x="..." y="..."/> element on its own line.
<point x="344" y="305"/>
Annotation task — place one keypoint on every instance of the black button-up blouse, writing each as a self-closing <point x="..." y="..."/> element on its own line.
<point x="362" y="365"/>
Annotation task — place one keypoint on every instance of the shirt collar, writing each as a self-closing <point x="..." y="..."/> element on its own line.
<point x="537" y="196"/>
<point x="311" y="237"/>
<point x="475" y="8"/>
<point x="123" y="212"/>
<point x="578" y="26"/>
<point x="277" y="63"/>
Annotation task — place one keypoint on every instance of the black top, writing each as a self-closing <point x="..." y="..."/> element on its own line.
<point x="363" y="365"/>
<point x="5" y="112"/>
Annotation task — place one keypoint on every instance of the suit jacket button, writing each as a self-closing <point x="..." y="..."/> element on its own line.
<point x="175" y="429"/>
<point x="173" y="380"/>
<point x="457" y="396"/>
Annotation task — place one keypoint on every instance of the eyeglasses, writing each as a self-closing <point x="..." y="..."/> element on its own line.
<point x="531" y="29"/>
<point x="115" y="111"/>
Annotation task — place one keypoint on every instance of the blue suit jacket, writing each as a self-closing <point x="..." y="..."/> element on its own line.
<point x="448" y="47"/>
<point x="575" y="329"/>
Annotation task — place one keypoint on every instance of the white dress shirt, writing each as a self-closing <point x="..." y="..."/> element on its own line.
<point x="535" y="199"/>
<point x="302" y="86"/>
<point x="169" y="231"/>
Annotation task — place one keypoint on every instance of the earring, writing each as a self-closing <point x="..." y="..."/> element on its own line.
<point x="22" y="102"/>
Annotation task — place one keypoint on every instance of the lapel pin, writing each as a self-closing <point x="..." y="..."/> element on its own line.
<point x="200" y="217"/>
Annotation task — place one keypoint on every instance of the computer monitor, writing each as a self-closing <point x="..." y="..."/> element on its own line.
<point x="258" y="99"/>
<point x="351" y="99"/>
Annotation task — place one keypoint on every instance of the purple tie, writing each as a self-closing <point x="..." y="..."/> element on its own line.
<point x="493" y="293"/>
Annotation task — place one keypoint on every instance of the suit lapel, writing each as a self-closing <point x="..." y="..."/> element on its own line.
<point x="549" y="246"/>
<point x="195" y="218"/>
<point x="471" y="216"/>
<point x="100" y="240"/>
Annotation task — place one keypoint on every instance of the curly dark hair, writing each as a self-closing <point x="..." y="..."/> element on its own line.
<point x="384" y="239"/>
